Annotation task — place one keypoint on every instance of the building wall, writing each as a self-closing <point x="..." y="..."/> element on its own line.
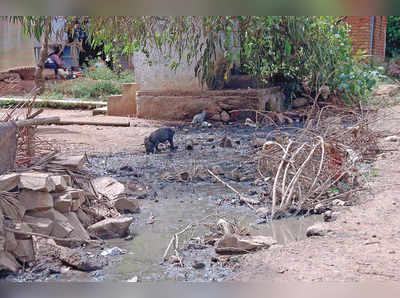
<point x="15" y="51"/>
<point x="361" y="34"/>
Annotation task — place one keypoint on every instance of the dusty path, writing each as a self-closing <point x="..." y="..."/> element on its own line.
<point x="364" y="244"/>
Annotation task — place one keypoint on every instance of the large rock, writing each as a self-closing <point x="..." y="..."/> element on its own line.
<point x="10" y="244"/>
<point x="42" y="226"/>
<point x="232" y="244"/>
<point x="24" y="251"/>
<point x="62" y="202"/>
<point x="84" y="218"/>
<point x="36" y="182"/>
<point x="62" y="228"/>
<point x="9" y="182"/>
<point x="129" y="204"/>
<point x="36" y="200"/>
<point x="111" y="227"/>
<point x="15" y="210"/>
<point x="79" y="231"/>
<point x="8" y="262"/>
<point x="109" y="187"/>
<point x="317" y="229"/>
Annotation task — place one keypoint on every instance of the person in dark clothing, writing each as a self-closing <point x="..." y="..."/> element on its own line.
<point x="54" y="61"/>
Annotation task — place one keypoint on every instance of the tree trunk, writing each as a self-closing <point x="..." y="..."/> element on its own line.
<point x="39" y="81"/>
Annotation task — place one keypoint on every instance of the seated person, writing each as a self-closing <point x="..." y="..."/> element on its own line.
<point x="54" y="62"/>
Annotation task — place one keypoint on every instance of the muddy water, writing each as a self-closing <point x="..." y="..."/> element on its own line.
<point x="172" y="205"/>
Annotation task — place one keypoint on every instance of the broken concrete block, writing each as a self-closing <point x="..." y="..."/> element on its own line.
<point x="109" y="187"/>
<point x="23" y="228"/>
<point x="234" y="244"/>
<point x="24" y="251"/>
<point x="130" y="205"/>
<point x="10" y="242"/>
<point x="15" y="210"/>
<point x="36" y="181"/>
<point x="36" y="200"/>
<point x="79" y="231"/>
<point x="60" y="182"/>
<point x="62" y="228"/>
<point x="62" y="202"/>
<point x="73" y="161"/>
<point x="42" y="226"/>
<point x="68" y="179"/>
<point x="83" y="218"/>
<point x="9" y="182"/>
<point x="111" y="227"/>
<point x="8" y="262"/>
<point x="78" y="198"/>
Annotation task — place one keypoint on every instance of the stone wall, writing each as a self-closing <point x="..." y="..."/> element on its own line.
<point x="183" y="105"/>
<point x="15" y="50"/>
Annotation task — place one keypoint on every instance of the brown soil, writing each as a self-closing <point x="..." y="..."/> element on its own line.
<point x="365" y="239"/>
<point x="87" y="138"/>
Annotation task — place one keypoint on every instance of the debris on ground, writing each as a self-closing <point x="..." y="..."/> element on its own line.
<point x="58" y="205"/>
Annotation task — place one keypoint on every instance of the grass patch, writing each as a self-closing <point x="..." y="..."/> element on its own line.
<point x="98" y="84"/>
<point x="83" y="88"/>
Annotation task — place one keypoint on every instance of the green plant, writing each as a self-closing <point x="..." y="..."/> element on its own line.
<point x="393" y="36"/>
<point x="356" y="79"/>
<point x="83" y="88"/>
<point x="301" y="54"/>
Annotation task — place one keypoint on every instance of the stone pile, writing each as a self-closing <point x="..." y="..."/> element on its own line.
<point x="36" y="204"/>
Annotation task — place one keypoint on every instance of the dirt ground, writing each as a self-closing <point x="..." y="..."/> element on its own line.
<point x="365" y="239"/>
<point x="87" y="138"/>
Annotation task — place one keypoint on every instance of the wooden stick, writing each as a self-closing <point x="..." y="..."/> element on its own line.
<point x="39" y="121"/>
<point x="37" y="113"/>
<point x="116" y="124"/>
<point x="248" y="201"/>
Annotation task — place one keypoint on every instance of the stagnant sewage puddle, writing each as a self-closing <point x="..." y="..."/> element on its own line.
<point x="172" y="205"/>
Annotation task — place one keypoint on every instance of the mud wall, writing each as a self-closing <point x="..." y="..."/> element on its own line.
<point x="15" y="51"/>
<point x="183" y="105"/>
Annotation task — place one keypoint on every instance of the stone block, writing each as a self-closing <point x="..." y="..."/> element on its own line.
<point x="36" y="200"/>
<point x="9" y="182"/>
<point x="39" y="225"/>
<point x="36" y="181"/>
<point x="24" y="251"/>
<point x="62" y="202"/>
<point x="111" y="227"/>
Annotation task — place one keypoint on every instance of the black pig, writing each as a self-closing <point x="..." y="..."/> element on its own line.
<point x="161" y="135"/>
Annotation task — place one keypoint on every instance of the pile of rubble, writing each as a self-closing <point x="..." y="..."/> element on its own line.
<point x="62" y="203"/>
